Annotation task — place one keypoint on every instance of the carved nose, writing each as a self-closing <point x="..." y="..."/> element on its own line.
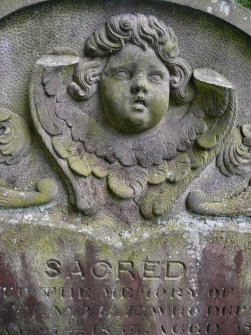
<point x="139" y="85"/>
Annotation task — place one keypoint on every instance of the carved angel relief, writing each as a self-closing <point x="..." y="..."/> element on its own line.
<point x="131" y="119"/>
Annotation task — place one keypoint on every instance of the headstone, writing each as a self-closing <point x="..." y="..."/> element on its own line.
<point x="125" y="138"/>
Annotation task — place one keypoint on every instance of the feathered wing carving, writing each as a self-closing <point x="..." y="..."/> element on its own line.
<point x="215" y="103"/>
<point x="216" y="99"/>
<point x="233" y="159"/>
<point x="92" y="160"/>
<point x="47" y="93"/>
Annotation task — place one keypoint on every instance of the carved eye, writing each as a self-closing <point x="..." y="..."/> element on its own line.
<point x="2" y="129"/>
<point x="156" y="77"/>
<point x="122" y="74"/>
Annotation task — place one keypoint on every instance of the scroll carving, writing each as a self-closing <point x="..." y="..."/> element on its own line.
<point x="132" y="119"/>
<point x="238" y="204"/>
<point x="15" y="143"/>
<point x="15" y="139"/>
<point x="235" y="158"/>
<point x="46" y="192"/>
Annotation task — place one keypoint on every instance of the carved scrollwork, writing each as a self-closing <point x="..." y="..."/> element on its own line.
<point x="46" y="192"/>
<point x="15" y="139"/>
<point x="15" y="143"/>
<point x="238" y="204"/>
<point x="235" y="158"/>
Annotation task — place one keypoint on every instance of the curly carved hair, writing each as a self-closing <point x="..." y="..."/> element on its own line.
<point x="140" y="30"/>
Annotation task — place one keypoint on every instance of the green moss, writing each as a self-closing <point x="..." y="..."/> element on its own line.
<point x="245" y="3"/>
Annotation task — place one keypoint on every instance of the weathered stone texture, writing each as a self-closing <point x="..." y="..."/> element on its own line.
<point x="149" y="281"/>
<point x="92" y="246"/>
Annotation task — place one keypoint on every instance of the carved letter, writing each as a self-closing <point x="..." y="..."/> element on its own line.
<point x="101" y="269"/>
<point x="54" y="267"/>
<point x="175" y="270"/>
<point x="151" y="269"/>
<point x="76" y="271"/>
<point x="126" y="267"/>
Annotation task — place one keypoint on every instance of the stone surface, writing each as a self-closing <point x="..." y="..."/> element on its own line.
<point x="123" y="216"/>
<point x="194" y="279"/>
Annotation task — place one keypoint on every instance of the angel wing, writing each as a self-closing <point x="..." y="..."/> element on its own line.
<point x="215" y="103"/>
<point x="47" y="93"/>
<point x="233" y="159"/>
<point x="216" y="100"/>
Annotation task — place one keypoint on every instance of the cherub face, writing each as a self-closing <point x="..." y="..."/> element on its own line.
<point x="134" y="89"/>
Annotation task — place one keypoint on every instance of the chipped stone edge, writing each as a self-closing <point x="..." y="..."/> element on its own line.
<point x="226" y="10"/>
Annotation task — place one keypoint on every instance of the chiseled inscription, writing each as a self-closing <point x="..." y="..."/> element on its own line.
<point x="177" y="329"/>
<point x="172" y="309"/>
<point x="100" y="269"/>
<point x="108" y="292"/>
<point x="175" y="310"/>
<point x="27" y="330"/>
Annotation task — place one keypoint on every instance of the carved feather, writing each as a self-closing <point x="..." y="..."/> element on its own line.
<point x="82" y="126"/>
<point x="67" y="149"/>
<point x="99" y="167"/>
<point x="174" y="171"/>
<point x="88" y="196"/>
<point x="128" y="183"/>
<point x="79" y="165"/>
<point x="47" y="93"/>
<point x="246" y="132"/>
<point x="47" y="87"/>
<point x="46" y="108"/>
<point x="166" y="196"/>
<point x="158" y="200"/>
<point x="219" y="102"/>
<point x="216" y="102"/>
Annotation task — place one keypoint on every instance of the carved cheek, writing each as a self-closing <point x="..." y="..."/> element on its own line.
<point x="160" y="93"/>
<point x="107" y="86"/>
<point x="164" y="93"/>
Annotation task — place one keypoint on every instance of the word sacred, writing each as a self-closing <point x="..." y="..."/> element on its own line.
<point x="102" y="269"/>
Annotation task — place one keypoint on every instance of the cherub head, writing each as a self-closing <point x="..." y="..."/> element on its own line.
<point x="136" y="65"/>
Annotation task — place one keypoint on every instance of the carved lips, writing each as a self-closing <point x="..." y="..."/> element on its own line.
<point x="139" y="104"/>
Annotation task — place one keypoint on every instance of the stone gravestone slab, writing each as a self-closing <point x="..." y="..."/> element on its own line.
<point x="125" y="140"/>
